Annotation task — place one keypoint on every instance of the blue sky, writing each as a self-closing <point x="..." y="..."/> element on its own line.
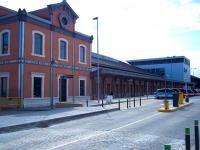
<point x="136" y="29"/>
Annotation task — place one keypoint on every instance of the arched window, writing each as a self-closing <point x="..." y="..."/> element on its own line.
<point x="38" y="42"/>
<point x="63" y="49"/>
<point x="82" y="54"/>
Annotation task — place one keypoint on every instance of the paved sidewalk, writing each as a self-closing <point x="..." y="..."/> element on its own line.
<point x="15" y="120"/>
<point x="18" y="120"/>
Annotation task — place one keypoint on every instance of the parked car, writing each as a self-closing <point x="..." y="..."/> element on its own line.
<point x="184" y="91"/>
<point x="164" y="93"/>
<point x="190" y="93"/>
<point x="198" y="91"/>
<point x="195" y="92"/>
<point x="176" y="90"/>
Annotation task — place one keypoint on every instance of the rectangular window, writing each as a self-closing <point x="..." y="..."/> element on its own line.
<point x="5" y="42"/>
<point x="37" y="87"/>
<point x="82" y="54"/>
<point x="38" y="44"/>
<point x="63" y="50"/>
<point x="82" y="87"/>
<point x="3" y="86"/>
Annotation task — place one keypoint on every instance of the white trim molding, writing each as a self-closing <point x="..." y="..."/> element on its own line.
<point x="1" y="33"/>
<point x="63" y="40"/>
<point x="33" y="43"/>
<point x="84" y="79"/>
<point x="40" y="75"/>
<point x="85" y="48"/>
<point x="6" y="74"/>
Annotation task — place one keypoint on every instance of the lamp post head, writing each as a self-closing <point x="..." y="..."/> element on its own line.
<point x="95" y="18"/>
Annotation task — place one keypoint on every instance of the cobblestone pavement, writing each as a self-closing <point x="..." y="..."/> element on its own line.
<point x="140" y="128"/>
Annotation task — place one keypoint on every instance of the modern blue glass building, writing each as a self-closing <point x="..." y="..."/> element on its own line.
<point x="175" y="68"/>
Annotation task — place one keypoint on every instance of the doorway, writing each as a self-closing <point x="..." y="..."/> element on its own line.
<point x="3" y="86"/>
<point x="63" y="90"/>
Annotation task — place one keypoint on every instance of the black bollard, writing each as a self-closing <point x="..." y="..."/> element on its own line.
<point x="127" y="103"/>
<point x="134" y="102"/>
<point x="187" y="138"/>
<point x="102" y="103"/>
<point x="140" y="101"/>
<point x="196" y="131"/>
<point x="87" y="103"/>
<point x="119" y="104"/>
<point x="167" y="147"/>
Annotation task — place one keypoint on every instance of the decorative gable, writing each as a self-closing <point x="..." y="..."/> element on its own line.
<point x="63" y="15"/>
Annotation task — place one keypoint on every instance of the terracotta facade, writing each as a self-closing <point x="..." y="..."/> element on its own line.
<point x="44" y="52"/>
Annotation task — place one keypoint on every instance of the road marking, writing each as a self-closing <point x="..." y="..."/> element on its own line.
<point x="104" y="132"/>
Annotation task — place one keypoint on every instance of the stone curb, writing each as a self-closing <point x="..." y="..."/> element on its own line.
<point x="46" y="123"/>
<point x="175" y="108"/>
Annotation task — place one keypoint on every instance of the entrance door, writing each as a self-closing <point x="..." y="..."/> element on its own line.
<point x="63" y="90"/>
<point x="3" y="86"/>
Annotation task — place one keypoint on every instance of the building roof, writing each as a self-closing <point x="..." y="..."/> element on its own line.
<point x="113" y="66"/>
<point x="9" y="16"/>
<point x="52" y="7"/>
<point x="5" y="11"/>
<point x="161" y="60"/>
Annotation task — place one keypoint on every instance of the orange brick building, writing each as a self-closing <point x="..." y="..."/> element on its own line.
<point x="42" y="58"/>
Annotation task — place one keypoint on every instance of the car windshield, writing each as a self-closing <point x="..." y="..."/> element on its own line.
<point x="165" y="90"/>
<point x="161" y="90"/>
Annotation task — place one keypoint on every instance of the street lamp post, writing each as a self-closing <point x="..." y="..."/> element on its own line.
<point x="194" y="70"/>
<point x="171" y="73"/>
<point x="147" y="88"/>
<point x="51" y="83"/>
<point x="96" y="18"/>
<point x="166" y="76"/>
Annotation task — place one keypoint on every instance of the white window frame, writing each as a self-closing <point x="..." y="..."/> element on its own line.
<point x="6" y="74"/>
<point x="40" y="75"/>
<point x="64" y="40"/>
<point x="67" y="81"/>
<point x="82" y="78"/>
<point x="33" y="43"/>
<point x="80" y="55"/>
<point x="1" y="33"/>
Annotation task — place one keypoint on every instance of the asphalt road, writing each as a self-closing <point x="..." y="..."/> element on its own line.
<point x="141" y="128"/>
